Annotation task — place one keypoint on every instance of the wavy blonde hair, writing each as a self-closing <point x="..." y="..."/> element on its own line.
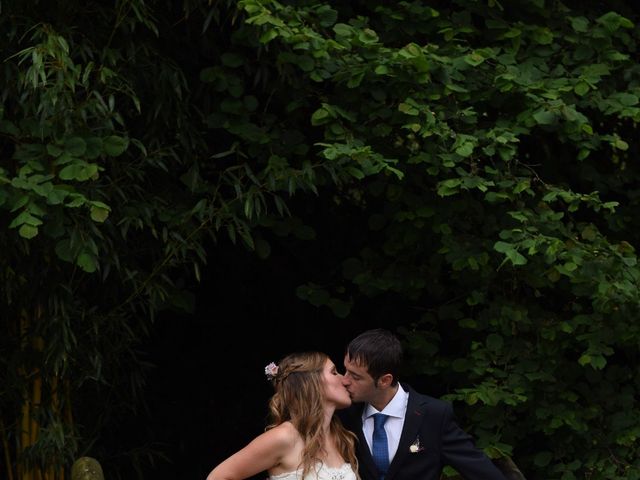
<point x="298" y="398"/>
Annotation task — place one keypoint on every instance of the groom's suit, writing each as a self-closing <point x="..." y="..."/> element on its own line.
<point x="437" y="440"/>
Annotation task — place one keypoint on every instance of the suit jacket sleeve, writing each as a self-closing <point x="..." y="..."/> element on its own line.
<point x="460" y="452"/>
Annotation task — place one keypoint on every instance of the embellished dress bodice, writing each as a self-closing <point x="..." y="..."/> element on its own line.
<point x="321" y="472"/>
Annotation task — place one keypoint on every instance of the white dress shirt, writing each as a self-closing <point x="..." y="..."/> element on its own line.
<point x="396" y="410"/>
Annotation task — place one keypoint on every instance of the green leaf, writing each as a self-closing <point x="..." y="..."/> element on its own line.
<point x="28" y="231"/>
<point x="343" y="30"/>
<point x="598" y="362"/>
<point x="408" y="109"/>
<point x="381" y="70"/>
<point x="87" y="262"/>
<point x="99" y="214"/>
<point x="75" y="146"/>
<point x="502" y="247"/>
<point x="368" y="36"/>
<point x="474" y="59"/>
<point x="626" y="99"/>
<point x="54" y="150"/>
<point x="94" y="148"/>
<point x="80" y="171"/>
<point x="56" y="196"/>
<point x="516" y="258"/>
<point x="584" y="359"/>
<point x="327" y="16"/>
<point x="544" y="117"/>
<point x="465" y="150"/>
<point x="305" y="62"/>
<point x="580" y="24"/>
<point x="63" y="250"/>
<point x="72" y="172"/>
<point x="320" y="117"/>
<point x="64" y="158"/>
<point x="268" y="35"/>
<point x="620" y="144"/>
<point x="581" y="88"/>
<point x="449" y="187"/>
<point x="115" y="145"/>
<point x="612" y="21"/>
<point x="543" y="36"/>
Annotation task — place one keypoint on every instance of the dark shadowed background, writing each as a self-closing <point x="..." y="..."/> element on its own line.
<point x="207" y="393"/>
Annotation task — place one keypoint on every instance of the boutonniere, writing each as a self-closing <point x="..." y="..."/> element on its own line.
<point x="416" y="447"/>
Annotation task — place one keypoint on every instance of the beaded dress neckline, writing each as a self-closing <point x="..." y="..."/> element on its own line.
<point x="321" y="472"/>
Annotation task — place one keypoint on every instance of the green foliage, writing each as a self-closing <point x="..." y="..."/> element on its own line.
<point x="488" y="144"/>
<point x="126" y="158"/>
<point x="505" y="212"/>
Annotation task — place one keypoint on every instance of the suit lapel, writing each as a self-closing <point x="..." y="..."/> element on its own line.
<point x="416" y="407"/>
<point x="363" y="452"/>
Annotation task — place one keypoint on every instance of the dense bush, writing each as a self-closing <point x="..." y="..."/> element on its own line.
<point x="488" y="146"/>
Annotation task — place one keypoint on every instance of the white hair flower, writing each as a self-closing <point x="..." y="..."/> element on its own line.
<point x="271" y="371"/>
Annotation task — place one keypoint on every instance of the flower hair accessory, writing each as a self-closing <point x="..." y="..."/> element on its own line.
<point x="271" y="371"/>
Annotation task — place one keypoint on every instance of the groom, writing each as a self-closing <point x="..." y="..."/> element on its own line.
<point x="402" y="434"/>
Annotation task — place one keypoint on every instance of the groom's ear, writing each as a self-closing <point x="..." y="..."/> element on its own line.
<point x="385" y="380"/>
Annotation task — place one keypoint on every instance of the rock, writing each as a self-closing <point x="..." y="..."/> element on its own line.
<point x="86" y="468"/>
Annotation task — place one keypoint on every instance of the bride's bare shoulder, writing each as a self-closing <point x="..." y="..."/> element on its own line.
<point x="289" y="444"/>
<point x="286" y="433"/>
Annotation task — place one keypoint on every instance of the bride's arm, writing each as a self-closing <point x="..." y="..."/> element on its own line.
<point x="263" y="453"/>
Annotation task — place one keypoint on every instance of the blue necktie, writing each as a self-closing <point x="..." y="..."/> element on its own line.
<point x="379" y="448"/>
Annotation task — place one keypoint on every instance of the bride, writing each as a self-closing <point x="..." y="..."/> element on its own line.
<point x="305" y="440"/>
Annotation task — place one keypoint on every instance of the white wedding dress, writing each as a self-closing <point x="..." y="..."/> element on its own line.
<point x="322" y="472"/>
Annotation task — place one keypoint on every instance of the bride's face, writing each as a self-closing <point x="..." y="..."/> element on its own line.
<point x="334" y="389"/>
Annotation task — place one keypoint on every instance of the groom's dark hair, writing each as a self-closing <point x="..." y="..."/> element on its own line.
<point x="379" y="351"/>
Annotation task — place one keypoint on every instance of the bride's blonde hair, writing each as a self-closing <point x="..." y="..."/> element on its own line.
<point x="298" y="398"/>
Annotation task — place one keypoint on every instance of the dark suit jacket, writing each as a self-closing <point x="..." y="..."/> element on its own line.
<point x="442" y="442"/>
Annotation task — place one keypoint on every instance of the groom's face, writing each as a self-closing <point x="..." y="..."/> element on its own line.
<point x="359" y="383"/>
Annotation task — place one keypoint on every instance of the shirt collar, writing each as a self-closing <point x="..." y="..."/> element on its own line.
<point x="395" y="408"/>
